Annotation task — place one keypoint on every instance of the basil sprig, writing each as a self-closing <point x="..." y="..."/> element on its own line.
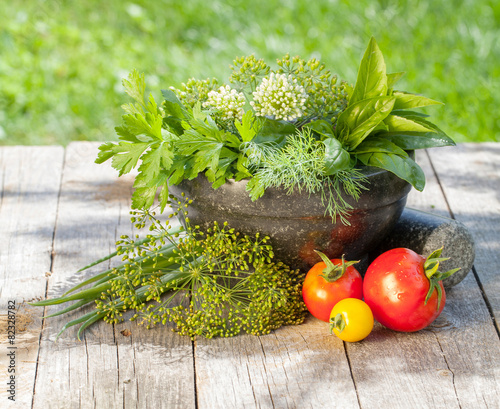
<point x="379" y="125"/>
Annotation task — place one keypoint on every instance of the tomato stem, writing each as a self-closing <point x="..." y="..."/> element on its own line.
<point x="338" y="323"/>
<point x="431" y="266"/>
<point x="333" y="272"/>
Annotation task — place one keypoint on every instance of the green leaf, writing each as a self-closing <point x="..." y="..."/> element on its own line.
<point x="152" y="163"/>
<point x="105" y="152"/>
<point x="125" y="134"/>
<point x="177" y="170"/>
<point x="405" y="114"/>
<point x="403" y="167"/>
<point x="143" y="197"/>
<point x="379" y="144"/>
<point x="206" y="150"/>
<point x="406" y="100"/>
<point x="241" y="167"/>
<point x="321" y="127"/>
<point x="175" y="112"/>
<point x="336" y="157"/>
<point x="221" y="172"/>
<point x="163" y="197"/>
<point x="126" y="155"/>
<point x="361" y="118"/>
<point x="399" y="124"/>
<point x="255" y="188"/>
<point x="135" y="86"/>
<point x="172" y="102"/>
<point x="274" y="131"/>
<point x="372" y="78"/>
<point x="248" y="127"/>
<point x="418" y="140"/>
<point x="148" y="125"/>
<point x="393" y="78"/>
<point x="425" y="123"/>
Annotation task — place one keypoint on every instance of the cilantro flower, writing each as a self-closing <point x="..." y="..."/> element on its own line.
<point x="228" y="102"/>
<point x="279" y="96"/>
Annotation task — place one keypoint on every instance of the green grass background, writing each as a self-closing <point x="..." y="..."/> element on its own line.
<point x="61" y="62"/>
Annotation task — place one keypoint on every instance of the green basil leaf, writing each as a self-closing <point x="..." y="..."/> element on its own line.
<point x="399" y="124"/>
<point x="406" y="114"/>
<point x="427" y="124"/>
<point x="403" y="167"/>
<point x="361" y="118"/>
<point x="379" y="144"/>
<point x="336" y="157"/>
<point x="393" y="78"/>
<point x="321" y="127"/>
<point x="274" y="132"/>
<point x="406" y="100"/>
<point x="372" y="78"/>
<point x="418" y="140"/>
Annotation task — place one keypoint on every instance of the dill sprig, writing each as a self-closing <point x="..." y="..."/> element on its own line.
<point x="300" y="166"/>
<point x="208" y="283"/>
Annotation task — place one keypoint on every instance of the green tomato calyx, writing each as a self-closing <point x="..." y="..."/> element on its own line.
<point x="333" y="272"/>
<point x="338" y="323"/>
<point x="431" y="266"/>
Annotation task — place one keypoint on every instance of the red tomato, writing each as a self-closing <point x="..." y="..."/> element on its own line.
<point x="328" y="282"/>
<point x="404" y="289"/>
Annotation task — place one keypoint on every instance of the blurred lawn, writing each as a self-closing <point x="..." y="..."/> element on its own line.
<point x="61" y="62"/>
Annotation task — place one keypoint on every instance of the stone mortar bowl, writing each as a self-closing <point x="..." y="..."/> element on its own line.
<point x="296" y="223"/>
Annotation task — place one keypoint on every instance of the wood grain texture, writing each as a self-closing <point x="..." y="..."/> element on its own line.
<point x="294" y="367"/>
<point x="431" y="200"/>
<point x="470" y="177"/>
<point x="29" y="184"/>
<point x="104" y="370"/>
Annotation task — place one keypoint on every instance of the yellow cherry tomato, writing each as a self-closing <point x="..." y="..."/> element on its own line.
<point x="351" y="320"/>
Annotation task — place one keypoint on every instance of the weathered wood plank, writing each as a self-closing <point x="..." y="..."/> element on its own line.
<point x="29" y="185"/>
<point x="472" y="188"/>
<point x="294" y="367"/>
<point x="470" y="177"/>
<point x="470" y="346"/>
<point x="106" y="369"/>
<point x="431" y="200"/>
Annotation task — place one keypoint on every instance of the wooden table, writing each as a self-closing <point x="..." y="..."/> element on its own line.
<point x="59" y="211"/>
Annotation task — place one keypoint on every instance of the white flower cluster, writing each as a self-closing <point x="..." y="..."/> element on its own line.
<point x="228" y="102"/>
<point x="279" y="96"/>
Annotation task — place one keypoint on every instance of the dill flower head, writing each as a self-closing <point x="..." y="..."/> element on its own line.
<point x="195" y="90"/>
<point x="228" y="102"/>
<point x="279" y="96"/>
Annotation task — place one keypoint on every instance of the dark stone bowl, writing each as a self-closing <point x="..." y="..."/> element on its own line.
<point x="296" y="222"/>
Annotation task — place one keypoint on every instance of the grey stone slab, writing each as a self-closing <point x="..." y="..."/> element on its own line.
<point x="425" y="232"/>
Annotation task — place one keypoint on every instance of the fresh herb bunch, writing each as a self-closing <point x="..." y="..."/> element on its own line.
<point x="225" y="131"/>
<point x="213" y="283"/>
